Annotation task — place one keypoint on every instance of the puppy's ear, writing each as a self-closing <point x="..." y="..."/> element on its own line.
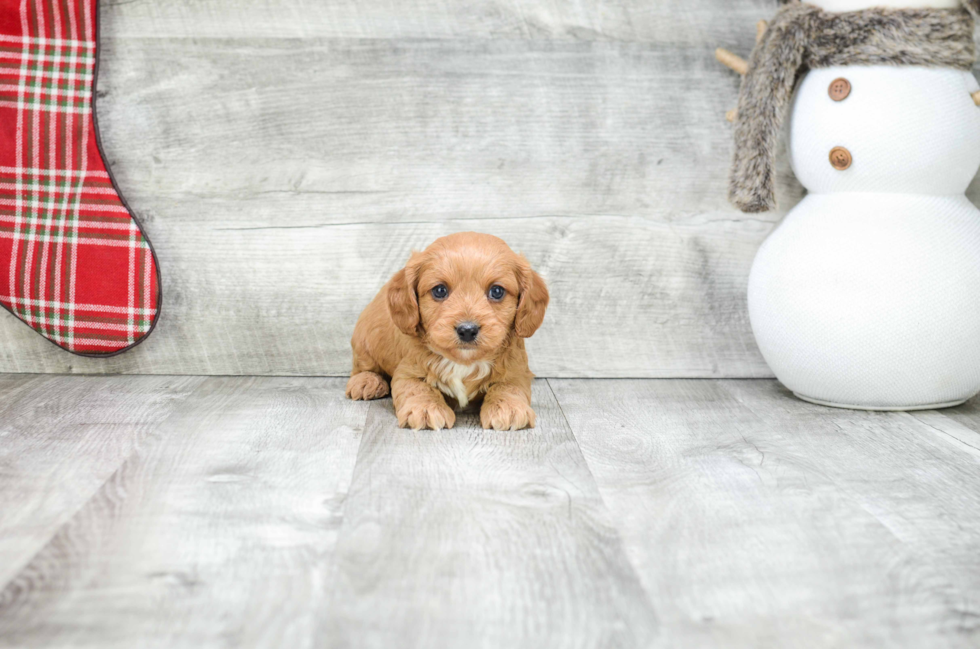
<point x="533" y="300"/>
<point x="403" y="300"/>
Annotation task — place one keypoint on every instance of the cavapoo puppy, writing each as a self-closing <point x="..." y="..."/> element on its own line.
<point x="448" y="329"/>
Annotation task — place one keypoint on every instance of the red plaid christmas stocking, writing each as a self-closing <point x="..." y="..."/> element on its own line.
<point x="74" y="264"/>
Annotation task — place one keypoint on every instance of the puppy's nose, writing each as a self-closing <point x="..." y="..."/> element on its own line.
<point x="467" y="331"/>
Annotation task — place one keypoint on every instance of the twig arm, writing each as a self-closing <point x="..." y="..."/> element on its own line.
<point x="732" y="61"/>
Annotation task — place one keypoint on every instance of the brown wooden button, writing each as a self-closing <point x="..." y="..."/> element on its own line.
<point x="840" y="158"/>
<point x="839" y="89"/>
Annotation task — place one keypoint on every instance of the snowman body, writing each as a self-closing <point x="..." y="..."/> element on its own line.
<point x="867" y="295"/>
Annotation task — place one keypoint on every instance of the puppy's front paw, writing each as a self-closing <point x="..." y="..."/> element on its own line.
<point x="426" y="414"/>
<point x="365" y="386"/>
<point x="506" y="414"/>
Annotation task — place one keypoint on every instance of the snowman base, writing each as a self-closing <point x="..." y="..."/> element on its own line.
<point x="869" y="301"/>
<point x="851" y="406"/>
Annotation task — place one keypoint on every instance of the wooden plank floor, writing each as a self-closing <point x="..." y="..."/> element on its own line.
<point x="270" y="512"/>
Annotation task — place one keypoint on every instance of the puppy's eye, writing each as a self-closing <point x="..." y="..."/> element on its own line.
<point x="440" y="292"/>
<point x="497" y="292"/>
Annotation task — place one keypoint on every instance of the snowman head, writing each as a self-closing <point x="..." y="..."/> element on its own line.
<point x="858" y="5"/>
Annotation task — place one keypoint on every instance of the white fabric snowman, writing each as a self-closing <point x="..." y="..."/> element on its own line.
<point x="867" y="295"/>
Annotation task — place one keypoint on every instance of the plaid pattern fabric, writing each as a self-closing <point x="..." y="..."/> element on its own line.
<point x="74" y="264"/>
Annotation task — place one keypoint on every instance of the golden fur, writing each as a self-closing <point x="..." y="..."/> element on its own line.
<point x="408" y="336"/>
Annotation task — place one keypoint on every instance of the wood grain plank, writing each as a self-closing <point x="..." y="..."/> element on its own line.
<point x="325" y="131"/>
<point x="952" y="432"/>
<point x="218" y="534"/>
<point x="664" y="300"/>
<point x="473" y="538"/>
<point x="671" y="21"/>
<point x="283" y="181"/>
<point x="754" y="519"/>
<point x="61" y="438"/>
<point x="959" y="426"/>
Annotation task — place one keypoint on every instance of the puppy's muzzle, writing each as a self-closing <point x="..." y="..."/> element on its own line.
<point x="467" y="331"/>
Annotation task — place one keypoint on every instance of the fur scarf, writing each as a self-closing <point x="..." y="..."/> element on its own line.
<point x="802" y="37"/>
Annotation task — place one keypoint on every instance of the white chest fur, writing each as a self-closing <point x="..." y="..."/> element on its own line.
<point x="451" y="378"/>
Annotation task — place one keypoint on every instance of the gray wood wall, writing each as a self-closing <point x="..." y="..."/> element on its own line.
<point x="285" y="158"/>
